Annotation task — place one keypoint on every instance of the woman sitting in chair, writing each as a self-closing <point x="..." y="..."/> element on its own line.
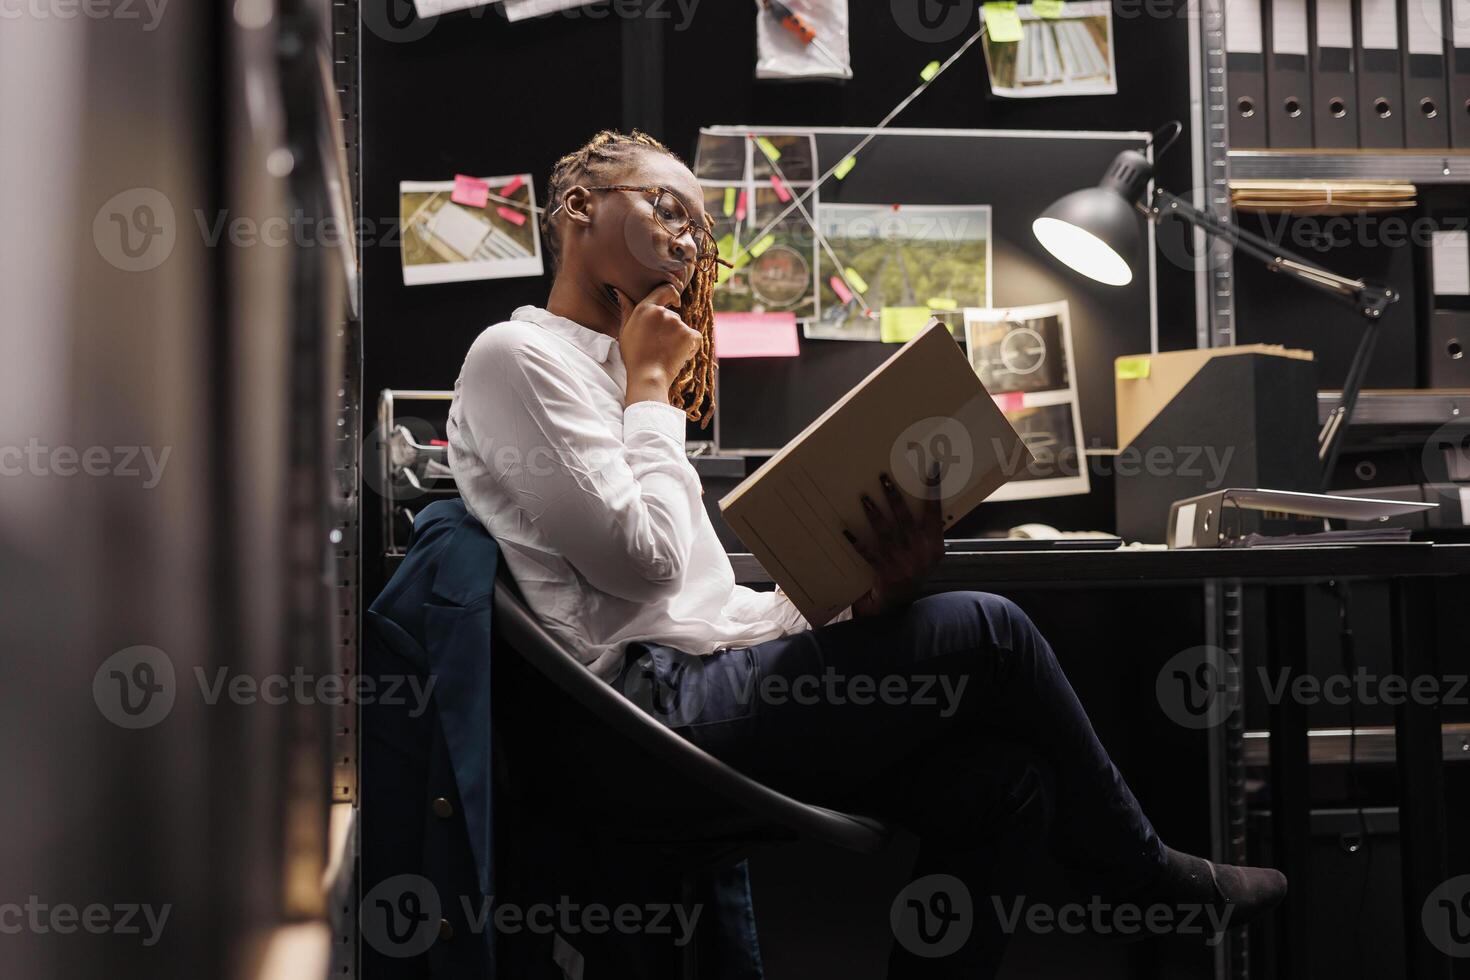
<point x="566" y="438"/>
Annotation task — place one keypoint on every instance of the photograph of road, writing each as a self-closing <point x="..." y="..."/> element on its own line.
<point x="907" y="255"/>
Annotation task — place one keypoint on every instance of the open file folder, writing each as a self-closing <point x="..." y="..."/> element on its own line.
<point x="924" y="406"/>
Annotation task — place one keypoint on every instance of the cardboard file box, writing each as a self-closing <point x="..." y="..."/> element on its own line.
<point x="1195" y="421"/>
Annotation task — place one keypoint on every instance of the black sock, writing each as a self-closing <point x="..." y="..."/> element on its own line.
<point x="1187" y="879"/>
<point x="1204" y="898"/>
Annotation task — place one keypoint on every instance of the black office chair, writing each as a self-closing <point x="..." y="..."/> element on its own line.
<point x="616" y="773"/>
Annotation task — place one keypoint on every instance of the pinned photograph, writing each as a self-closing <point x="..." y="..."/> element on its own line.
<point x="1037" y="50"/>
<point x="750" y="178"/>
<point x="749" y="155"/>
<point x="1023" y="355"/>
<point x="933" y="259"/>
<point x="793" y="154"/>
<point x="720" y="157"/>
<point x="448" y="237"/>
<point x="773" y="272"/>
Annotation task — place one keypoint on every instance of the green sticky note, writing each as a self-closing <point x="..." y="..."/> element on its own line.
<point x="1002" y="23"/>
<point x="1131" y="368"/>
<point x="942" y="303"/>
<point x="854" y="280"/>
<point x="729" y="201"/>
<point x="930" y="70"/>
<point x="768" y="148"/>
<point x="726" y="245"/>
<point x="845" y="167"/>
<point x="761" y="246"/>
<point x="1050" y="9"/>
<point x="721" y="274"/>
<point x="900" y="324"/>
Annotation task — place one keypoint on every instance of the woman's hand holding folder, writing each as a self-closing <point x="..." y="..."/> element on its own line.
<point x="904" y="552"/>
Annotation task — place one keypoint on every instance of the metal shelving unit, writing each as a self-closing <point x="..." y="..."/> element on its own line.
<point x="346" y="534"/>
<point x="1215" y="327"/>
<point x="1211" y="139"/>
<point x="347" y="530"/>
<point x="1215" y="164"/>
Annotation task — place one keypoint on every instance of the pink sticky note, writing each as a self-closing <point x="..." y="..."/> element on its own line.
<point x="740" y="207"/>
<point x="511" y="215"/>
<point x="781" y="191"/>
<point x="840" y="288"/>
<point x="512" y="187"/>
<point x="755" y="335"/>
<point x="470" y="191"/>
<point x="1010" y="401"/>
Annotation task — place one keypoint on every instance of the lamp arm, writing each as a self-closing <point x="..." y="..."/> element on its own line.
<point x="1370" y="300"/>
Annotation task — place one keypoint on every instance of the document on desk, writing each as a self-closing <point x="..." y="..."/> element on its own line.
<point x="924" y="418"/>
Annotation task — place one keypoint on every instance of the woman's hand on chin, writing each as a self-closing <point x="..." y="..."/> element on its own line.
<point x="905" y="550"/>
<point x="655" y="342"/>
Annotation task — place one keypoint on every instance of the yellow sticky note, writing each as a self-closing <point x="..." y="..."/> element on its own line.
<point x="900" y="324"/>
<point x="855" y="281"/>
<point x="729" y="201"/>
<point x="930" y="70"/>
<point x="1131" y="368"/>
<point x="761" y="246"/>
<point x="845" y="167"/>
<point x="1002" y="23"/>
<point x="768" y="148"/>
<point x="942" y="303"/>
<point x="1050" y="9"/>
<point x="721" y="274"/>
<point x="726" y="246"/>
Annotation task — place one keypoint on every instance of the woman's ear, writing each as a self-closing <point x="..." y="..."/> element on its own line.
<point x="577" y="202"/>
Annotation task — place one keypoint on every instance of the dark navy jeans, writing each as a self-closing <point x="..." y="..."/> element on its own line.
<point x="950" y="718"/>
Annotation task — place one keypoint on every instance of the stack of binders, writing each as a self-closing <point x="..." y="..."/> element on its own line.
<point x="1329" y="74"/>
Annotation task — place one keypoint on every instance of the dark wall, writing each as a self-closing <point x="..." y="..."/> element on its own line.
<point x="469" y="92"/>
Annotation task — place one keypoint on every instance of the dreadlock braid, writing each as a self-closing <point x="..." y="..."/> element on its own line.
<point x="694" y="389"/>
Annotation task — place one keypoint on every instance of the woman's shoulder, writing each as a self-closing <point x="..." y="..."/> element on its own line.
<point x="509" y="335"/>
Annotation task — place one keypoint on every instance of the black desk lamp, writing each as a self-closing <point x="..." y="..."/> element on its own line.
<point x="1095" y="231"/>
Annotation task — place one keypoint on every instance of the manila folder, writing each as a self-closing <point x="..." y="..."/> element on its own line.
<point x="924" y="418"/>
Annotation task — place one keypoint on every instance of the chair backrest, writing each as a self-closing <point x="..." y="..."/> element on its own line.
<point x="768" y="810"/>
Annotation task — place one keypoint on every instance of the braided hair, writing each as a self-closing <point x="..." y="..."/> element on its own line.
<point x="694" y="389"/>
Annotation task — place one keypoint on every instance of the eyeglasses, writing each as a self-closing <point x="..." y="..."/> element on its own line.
<point x="671" y="214"/>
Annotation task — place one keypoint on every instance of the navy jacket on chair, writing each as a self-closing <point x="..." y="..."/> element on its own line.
<point x="428" y="852"/>
<point x="426" y="777"/>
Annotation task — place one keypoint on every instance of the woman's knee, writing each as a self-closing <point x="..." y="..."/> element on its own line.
<point x="980" y="621"/>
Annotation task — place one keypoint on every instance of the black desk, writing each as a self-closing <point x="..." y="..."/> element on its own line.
<point x="977" y="569"/>
<point x="1414" y="573"/>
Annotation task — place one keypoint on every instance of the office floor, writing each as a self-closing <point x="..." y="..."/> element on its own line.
<point x="822" y="913"/>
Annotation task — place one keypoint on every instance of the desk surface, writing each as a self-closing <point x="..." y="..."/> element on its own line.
<point x="969" y="569"/>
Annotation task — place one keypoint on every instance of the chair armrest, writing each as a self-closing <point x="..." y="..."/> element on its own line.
<point x="530" y="641"/>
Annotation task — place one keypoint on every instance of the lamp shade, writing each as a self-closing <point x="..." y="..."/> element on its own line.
<point x="1095" y="230"/>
